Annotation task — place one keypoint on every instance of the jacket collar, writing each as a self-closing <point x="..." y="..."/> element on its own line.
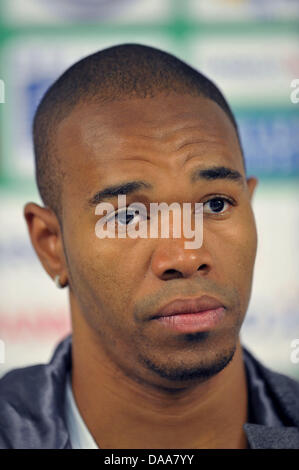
<point x="271" y="437"/>
<point x="60" y="363"/>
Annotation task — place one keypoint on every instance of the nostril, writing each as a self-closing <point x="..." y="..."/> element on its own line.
<point x="172" y="274"/>
<point x="202" y="267"/>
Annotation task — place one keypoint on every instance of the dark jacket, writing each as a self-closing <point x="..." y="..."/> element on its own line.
<point x="32" y="405"/>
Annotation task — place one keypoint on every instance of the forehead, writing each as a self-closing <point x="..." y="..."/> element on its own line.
<point x="99" y="140"/>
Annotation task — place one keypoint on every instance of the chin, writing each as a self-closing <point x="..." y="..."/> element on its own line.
<point x="179" y="370"/>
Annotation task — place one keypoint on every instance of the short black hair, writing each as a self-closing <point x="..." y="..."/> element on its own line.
<point x="112" y="74"/>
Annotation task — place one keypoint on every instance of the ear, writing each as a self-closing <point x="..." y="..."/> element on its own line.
<point x="251" y="185"/>
<point x="46" y="238"/>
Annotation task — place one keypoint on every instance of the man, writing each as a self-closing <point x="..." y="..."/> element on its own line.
<point x="154" y="359"/>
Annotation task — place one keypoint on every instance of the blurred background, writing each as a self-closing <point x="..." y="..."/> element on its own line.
<point x="250" y="48"/>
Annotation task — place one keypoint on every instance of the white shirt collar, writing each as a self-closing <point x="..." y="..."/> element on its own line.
<point x="80" y="436"/>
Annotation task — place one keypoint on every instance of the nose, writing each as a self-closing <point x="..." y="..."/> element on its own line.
<point x="171" y="260"/>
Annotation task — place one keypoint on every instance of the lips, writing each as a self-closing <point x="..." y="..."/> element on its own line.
<point x="185" y="306"/>
<point x="199" y="314"/>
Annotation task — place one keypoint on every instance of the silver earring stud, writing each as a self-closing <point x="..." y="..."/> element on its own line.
<point x="57" y="282"/>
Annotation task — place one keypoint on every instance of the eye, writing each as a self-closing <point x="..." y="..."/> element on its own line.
<point x="125" y="217"/>
<point x="217" y="205"/>
<point x="128" y="216"/>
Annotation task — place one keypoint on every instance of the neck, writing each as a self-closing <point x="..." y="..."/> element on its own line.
<point x="124" y="413"/>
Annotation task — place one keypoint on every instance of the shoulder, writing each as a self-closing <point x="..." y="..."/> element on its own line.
<point x="30" y="398"/>
<point x="284" y="390"/>
<point x="16" y="383"/>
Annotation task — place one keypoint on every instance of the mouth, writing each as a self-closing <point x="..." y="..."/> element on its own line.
<point x="191" y="315"/>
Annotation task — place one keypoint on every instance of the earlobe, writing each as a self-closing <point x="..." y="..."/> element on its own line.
<point x="45" y="235"/>
<point x="252" y="183"/>
<point x="58" y="282"/>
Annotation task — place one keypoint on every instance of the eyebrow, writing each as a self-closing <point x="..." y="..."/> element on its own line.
<point x="212" y="173"/>
<point x="115" y="190"/>
<point x="217" y="173"/>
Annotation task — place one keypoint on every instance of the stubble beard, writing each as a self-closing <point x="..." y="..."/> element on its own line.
<point x="181" y="371"/>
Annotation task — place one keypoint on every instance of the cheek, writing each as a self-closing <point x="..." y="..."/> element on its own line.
<point x="247" y="241"/>
<point x="105" y="272"/>
<point x="235" y="244"/>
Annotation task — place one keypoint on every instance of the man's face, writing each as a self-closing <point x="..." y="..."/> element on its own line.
<point x="117" y="285"/>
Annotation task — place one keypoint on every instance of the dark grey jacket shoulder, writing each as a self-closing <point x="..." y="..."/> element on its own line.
<point x="32" y="405"/>
<point x="278" y="429"/>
